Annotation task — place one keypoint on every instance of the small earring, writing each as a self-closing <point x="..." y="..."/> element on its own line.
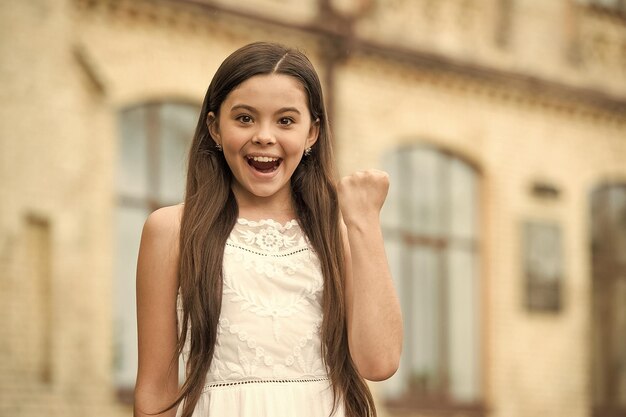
<point x="218" y="147"/>
<point x="307" y="151"/>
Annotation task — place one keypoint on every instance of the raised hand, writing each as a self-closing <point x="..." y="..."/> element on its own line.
<point x="373" y="309"/>
<point x="362" y="194"/>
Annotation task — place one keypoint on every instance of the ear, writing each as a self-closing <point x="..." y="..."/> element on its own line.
<point x="214" y="128"/>
<point x="314" y="132"/>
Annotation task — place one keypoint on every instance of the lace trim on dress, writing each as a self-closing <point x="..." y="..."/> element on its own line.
<point x="269" y="236"/>
<point x="264" y="381"/>
<point x="268" y="222"/>
<point x="274" y="255"/>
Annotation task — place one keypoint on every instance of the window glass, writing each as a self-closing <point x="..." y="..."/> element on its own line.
<point x="462" y="197"/>
<point x="423" y="317"/>
<point x="178" y="123"/>
<point x="421" y="202"/>
<point x="463" y="330"/>
<point x="132" y="173"/>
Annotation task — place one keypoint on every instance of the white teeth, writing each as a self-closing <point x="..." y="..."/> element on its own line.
<point x="263" y="159"/>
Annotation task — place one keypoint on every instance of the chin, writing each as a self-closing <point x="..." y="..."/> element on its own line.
<point x="263" y="192"/>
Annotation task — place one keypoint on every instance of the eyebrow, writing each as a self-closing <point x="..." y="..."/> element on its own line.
<point x="253" y="110"/>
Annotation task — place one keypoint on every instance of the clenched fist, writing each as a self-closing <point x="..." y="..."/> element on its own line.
<point x="361" y="195"/>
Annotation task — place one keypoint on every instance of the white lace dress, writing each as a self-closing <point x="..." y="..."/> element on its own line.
<point x="267" y="360"/>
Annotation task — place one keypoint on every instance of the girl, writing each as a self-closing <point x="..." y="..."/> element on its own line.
<point x="284" y="298"/>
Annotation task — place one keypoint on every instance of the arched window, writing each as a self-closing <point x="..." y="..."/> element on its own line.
<point x="608" y="258"/>
<point x="432" y="230"/>
<point x="154" y="140"/>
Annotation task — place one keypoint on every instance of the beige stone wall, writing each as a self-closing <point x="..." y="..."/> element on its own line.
<point x="293" y="11"/>
<point x="558" y="40"/>
<point x="56" y="167"/>
<point x="67" y="67"/>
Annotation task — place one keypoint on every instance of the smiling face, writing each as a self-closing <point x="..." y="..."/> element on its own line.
<point x="264" y="126"/>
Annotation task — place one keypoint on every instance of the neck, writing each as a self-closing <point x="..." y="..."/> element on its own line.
<point x="277" y="207"/>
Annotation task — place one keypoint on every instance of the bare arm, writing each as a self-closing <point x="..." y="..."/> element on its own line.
<point x="373" y="310"/>
<point x="157" y="287"/>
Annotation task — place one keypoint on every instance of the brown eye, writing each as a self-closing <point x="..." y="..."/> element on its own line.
<point x="285" y="121"/>
<point x="244" y="118"/>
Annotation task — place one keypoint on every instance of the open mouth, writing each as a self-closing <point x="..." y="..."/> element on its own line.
<point x="264" y="164"/>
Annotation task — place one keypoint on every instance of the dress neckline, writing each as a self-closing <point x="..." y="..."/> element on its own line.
<point x="268" y="222"/>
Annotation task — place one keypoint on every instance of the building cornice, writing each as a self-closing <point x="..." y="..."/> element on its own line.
<point x="340" y="42"/>
<point x="337" y="31"/>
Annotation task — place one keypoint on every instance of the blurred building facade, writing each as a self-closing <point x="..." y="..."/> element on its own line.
<point x="502" y="124"/>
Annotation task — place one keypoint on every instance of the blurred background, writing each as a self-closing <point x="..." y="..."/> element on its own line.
<point x="501" y="122"/>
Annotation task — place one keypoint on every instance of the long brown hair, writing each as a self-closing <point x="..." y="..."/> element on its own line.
<point x="210" y="213"/>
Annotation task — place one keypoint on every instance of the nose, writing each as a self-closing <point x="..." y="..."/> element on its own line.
<point x="264" y="136"/>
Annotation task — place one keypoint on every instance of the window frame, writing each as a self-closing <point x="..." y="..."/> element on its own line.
<point x="413" y="399"/>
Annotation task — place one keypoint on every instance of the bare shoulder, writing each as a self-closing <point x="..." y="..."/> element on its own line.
<point x="165" y="218"/>
<point x="163" y="225"/>
<point x="159" y="248"/>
